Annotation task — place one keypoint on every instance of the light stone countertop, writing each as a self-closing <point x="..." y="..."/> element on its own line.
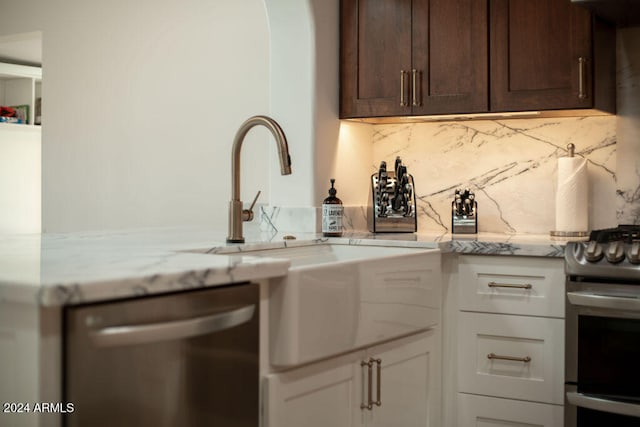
<point x="74" y="268"/>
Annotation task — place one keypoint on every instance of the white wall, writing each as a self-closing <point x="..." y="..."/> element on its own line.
<point x="291" y="67"/>
<point x="305" y="96"/>
<point x="19" y="180"/>
<point x="141" y="101"/>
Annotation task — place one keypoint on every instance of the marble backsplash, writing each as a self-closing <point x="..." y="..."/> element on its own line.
<point x="628" y="126"/>
<point x="510" y="164"/>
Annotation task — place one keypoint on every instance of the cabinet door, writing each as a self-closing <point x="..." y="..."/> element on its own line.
<point x="409" y="383"/>
<point x="493" y="412"/>
<point x="318" y="395"/>
<point x="332" y="392"/>
<point x="450" y="56"/>
<point x="375" y="48"/>
<point x="536" y="49"/>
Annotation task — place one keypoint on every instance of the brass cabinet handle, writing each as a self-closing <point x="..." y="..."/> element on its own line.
<point x="379" y="383"/>
<point x="509" y="285"/>
<point x="369" y="403"/>
<point x="414" y="87"/>
<point x="403" y="101"/>
<point x="582" y="69"/>
<point x="492" y="356"/>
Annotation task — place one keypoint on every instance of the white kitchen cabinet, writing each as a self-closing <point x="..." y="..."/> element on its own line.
<point x="498" y="306"/>
<point x="333" y="392"/>
<point x="318" y="395"/>
<point x="512" y="285"/>
<point x="21" y="85"/>
<point x="30" y="351"/>
<point x="518" y="357"/>
<point x="482" y="411"/>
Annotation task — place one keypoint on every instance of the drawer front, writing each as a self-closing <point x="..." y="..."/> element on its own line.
<point x="316" y="395"/>
<point x="511" y="356"/>
<point x="414" y="279"/>
<point x="512" y="285"/>
<point x="475" y="411"/>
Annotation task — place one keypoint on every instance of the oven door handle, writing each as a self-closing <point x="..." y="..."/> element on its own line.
<point x="604" y="405"/>
<point x="590" y="299"/>
<point x="112" y="336"/>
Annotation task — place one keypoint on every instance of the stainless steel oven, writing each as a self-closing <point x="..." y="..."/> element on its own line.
<point x="603" y="330"/>
<point x="186" y="359"/>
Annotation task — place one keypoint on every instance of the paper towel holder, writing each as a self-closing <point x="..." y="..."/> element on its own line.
<point x="566" y="235"/>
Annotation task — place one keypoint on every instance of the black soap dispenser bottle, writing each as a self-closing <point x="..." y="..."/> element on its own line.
<point x="332" y="211"/>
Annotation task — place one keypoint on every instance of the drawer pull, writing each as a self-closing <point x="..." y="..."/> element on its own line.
<point x="370" y="402"/>
<point x="403" y="101"/>
<point x="582" y="92"/>
<point x="525" y="359"/>
<point x="379" y="382"/>
<point x="414" y="87"/>
<point x="509" y="285"/>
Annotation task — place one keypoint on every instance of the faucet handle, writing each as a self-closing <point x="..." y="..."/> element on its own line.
<point x="247" y="214"/>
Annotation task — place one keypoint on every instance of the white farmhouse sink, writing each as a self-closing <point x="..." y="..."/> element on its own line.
<point x="337" y="298"/>
<point x="302" y="256"/>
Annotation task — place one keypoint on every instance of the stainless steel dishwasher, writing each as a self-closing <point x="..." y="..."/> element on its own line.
<point x="184" y="359"/>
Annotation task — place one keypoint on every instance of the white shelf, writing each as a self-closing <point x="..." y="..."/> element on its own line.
<point x="20" y="127"/>
<point x="20" y="71"/>
<point x="19" y="85"/>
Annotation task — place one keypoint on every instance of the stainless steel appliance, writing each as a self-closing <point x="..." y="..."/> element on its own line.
<point x="184" y="359"/>
<point x="603" y="329"/>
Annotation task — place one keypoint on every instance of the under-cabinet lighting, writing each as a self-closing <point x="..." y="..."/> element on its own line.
<point x="480" y="116"/>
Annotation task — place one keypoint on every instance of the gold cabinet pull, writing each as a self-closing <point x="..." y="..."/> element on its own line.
<point x="582" y="69"/>
<point x="492" y="356"/>
<point x="369" y="403"/>
<point x="379" y="382"/>
<point x="509" y="285"/>
<point x="414" y="87"/>
<point x="403" y="101"/>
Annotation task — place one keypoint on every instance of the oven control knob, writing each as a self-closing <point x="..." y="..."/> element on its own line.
<point x="615" y="252"/>
<point x="633" y="254"/>
<point x="593" y="253"/>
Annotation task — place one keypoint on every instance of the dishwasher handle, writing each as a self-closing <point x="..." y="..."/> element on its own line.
<point x="113" y="336"/>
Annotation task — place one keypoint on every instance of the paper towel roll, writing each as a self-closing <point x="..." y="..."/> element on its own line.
<point x="572" y="195"/>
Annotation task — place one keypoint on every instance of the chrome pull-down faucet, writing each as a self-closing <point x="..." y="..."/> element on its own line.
<point x="236" y="214"/>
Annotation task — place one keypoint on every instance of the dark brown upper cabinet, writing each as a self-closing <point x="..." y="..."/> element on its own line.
<point x="413" y="57"/>
<point x="429" y="57"/>
<point x="542" y="56"/>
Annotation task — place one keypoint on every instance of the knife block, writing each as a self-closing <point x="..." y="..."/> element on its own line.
<point x="464" y="224"/>
<point x="386" y="219"/>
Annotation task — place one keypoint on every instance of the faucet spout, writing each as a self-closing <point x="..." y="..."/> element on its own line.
<point x="236" y="214"/>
